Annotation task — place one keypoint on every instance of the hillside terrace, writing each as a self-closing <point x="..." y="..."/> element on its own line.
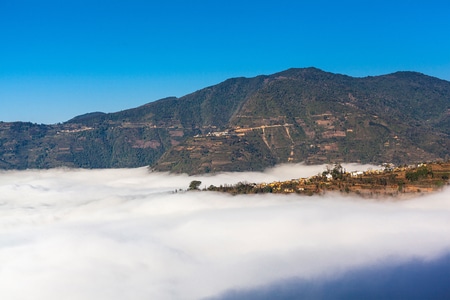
<point x="390" y="181"/>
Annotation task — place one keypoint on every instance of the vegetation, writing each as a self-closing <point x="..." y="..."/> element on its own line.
<point x="250" y="124"/>
<point x="419" y="173"/>
<point x="194" y="185"/>
<point x="387" y="182"/>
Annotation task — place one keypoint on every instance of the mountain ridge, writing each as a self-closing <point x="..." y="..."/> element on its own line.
<point x="300" y="114"/>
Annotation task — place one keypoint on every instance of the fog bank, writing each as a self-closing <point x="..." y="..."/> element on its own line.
<point x="124" y="234"/>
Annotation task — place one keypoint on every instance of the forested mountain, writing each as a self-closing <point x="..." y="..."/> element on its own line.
<point x="251" y="123"/>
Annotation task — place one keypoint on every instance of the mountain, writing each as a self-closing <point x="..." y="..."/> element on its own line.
<point x="251" y="123"/>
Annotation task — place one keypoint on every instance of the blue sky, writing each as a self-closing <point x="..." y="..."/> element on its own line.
<point x="59" y="59"/>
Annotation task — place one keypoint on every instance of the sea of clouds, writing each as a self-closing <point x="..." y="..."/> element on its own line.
<point x="125" y="234"/>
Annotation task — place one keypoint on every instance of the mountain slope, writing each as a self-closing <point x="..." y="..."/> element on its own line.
<point x="252" y="123"/>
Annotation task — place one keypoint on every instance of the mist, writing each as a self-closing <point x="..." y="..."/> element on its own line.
<point x="126" y="234"/>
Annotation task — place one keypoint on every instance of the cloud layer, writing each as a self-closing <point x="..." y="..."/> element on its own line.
<point x="124" y="234"/>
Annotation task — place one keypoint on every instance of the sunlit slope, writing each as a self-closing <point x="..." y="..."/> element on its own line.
<point x="313" y="116"/>
<point x="251" y="123"/>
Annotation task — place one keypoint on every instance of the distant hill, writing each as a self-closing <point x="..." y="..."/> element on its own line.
<point x="250" y="124"/>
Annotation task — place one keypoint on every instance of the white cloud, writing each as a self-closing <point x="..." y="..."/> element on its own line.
<point x="122" y="234"/>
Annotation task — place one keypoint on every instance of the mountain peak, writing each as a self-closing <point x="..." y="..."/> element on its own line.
<point x="297" y="115"/>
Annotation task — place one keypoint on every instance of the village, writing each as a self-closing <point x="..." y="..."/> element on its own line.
<point x="388" y="181"/>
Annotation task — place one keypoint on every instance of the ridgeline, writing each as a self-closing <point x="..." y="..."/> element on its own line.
<point x="298" y="115"/>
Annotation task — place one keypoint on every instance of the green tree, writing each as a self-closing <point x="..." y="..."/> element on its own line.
<point x="194" y="185"/>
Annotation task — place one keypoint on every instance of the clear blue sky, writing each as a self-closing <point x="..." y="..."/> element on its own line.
<point x="59" y="59"/>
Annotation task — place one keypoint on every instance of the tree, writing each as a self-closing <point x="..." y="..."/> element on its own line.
<point x="194" y="185"/>
<point x="337" y="172"/>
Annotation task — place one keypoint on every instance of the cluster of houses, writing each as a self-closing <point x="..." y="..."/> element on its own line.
<point x="338" y="178"/>
<point x="390" y="181"/>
